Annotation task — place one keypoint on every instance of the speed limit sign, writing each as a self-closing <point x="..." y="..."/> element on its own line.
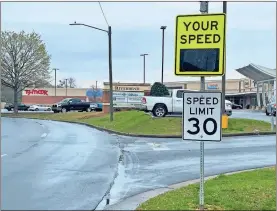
<point x="202" y="116"/>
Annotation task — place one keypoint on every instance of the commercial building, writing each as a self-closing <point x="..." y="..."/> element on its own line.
<point x="238" y="91"/>
<point x="255" y="90"/>
<point x="49" y="96"/>
<point x="264" y="82"/>
<point x="124" y="94"/>
<point x="245" y="92"/>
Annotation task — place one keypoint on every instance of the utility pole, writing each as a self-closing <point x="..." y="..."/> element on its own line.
<point x="66" y="87"/>
<point x="145" y="54"/>
<point x="204" y="8"/>
<point x="95" y="92"/>
<point x="55" y="69"/>
<point x="163" y="28"/>
<point x="109" y="32"/>
<point x="110" y="73"/>
<point x="223" y="85"/>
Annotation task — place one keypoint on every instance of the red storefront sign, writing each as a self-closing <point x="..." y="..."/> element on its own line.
<point x="36" y="92"/>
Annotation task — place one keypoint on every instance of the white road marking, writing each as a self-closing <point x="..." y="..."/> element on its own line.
<point x="43" y="135"/>
<point x="158" y="147"/>
<point x="3" y="155"/>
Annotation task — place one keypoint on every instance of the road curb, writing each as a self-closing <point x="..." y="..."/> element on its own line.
<point x="150" y="136"/>
<point x="133" y="202"/>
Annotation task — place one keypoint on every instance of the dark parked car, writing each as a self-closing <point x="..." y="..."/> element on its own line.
<point x="71" y="104"/>
<point x="236" y="106"/>
<point x="21" y="107"/>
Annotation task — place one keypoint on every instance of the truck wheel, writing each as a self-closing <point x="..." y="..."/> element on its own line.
<point x="159" y="111"/>
<point x="64" y="110"/>
<point x="88" y="109"/>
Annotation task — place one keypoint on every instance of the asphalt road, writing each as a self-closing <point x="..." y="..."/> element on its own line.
<point x="50" y="165"/>
<point x="157" y="163"/>
<point x="53" y="165"/>
<point x="252" y="115"/>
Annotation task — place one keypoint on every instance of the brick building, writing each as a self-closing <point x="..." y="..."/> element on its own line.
<point x="49" y="96"/>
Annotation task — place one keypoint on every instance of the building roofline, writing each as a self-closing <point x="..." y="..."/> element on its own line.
<point x="128" y="84"/>
<point x="257" y="72"/>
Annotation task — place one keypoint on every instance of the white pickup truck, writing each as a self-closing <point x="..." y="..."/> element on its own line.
<point x="173" y="104"/>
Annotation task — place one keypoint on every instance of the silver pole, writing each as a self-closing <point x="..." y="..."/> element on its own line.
<point x="224" y="76"/>
<point x="203" y="9"/>
<point x="272" y="122"/>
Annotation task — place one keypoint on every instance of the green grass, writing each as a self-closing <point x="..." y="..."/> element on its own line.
<point x="137" y="122"/>
<point x="253" y="190"/>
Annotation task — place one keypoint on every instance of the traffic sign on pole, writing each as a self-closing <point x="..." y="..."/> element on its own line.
<point x="202" y="119"/>
<point x="200" y="45"/>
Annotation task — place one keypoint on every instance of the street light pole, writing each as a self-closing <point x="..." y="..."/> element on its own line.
<point x="66" y="87"/>
<point x="145" y="54"/>
<point x="110" y="73"/>
<point x="109" y="32"/>
<point x="55" y="69"/>
<point x="163" y="28"/>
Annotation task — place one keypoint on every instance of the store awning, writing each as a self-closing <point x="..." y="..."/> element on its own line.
<point x="240" y="94"/>
<point x="257" y="72"/>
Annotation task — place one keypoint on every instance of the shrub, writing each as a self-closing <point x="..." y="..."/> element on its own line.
<point x="159" y="89"/>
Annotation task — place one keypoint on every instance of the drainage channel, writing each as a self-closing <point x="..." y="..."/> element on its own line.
<point x="118" y="177"/>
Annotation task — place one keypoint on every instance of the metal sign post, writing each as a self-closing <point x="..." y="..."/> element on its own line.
<point x="202" y="122"/>
<point x="204" y="8"/>
<point x="200" y="51"/>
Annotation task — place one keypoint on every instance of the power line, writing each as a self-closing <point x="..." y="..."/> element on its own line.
<point x="103" y="13"/>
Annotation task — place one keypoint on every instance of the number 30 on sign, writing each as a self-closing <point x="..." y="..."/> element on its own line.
<point x="202" y="116"/>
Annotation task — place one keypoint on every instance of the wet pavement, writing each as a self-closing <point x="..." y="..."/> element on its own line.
<point x="51" y="165"/>
<point x="252" y="115"/>
<point x="157" y="163"/>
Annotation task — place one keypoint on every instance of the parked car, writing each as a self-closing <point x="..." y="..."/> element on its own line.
<point x="271" y="107"/>
<point x="71" y="104"/>
<point x="96" y="106"/>
<point x="173" y="104"/>
<point x="39" y="108"/>
<point x="236" y="106"/>
<point x="21" y="107"/>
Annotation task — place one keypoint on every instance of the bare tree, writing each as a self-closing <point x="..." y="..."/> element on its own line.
<point x="69" y="82"/>
<point x="25" y="61"/>
<point x="61" y="84"/>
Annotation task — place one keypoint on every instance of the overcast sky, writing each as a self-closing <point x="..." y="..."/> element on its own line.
<point x="82" y="53"/>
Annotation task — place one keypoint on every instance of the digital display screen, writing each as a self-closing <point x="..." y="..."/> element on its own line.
<point x="199" y="60"/>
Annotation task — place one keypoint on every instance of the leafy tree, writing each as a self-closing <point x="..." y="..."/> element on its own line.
<point x="25" y="61"/>
<point x="159" y="89"/>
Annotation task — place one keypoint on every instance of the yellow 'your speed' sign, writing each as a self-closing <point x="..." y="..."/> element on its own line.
<point x="200" y="45"/>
